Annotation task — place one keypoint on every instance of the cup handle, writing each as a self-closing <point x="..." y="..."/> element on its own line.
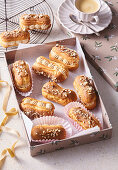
<point x="95" y="20"/>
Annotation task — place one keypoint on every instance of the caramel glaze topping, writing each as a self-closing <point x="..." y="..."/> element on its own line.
<point x="21" y="68"/>
<point x="63" y="93"/>
<point x="47" y="133"/>
<point x="85" y="81"/>
<point x="14" y="33"/>
<point x="83" y="117"/>
<point x="43" y="132"/>
<point x="71" y="52"/>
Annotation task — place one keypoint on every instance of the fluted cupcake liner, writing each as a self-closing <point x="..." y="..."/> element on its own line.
<point x="77" y="104"/>
<point x="21" y="93"/>
<point x="52" y="120"/>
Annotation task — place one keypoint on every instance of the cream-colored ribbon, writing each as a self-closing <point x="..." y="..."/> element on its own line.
<point x="11" y="112"/>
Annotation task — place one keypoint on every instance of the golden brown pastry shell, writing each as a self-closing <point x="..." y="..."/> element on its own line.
<point x="22" y="81"/>
<point x="33" y="111"/>
<point x="56" y="93"/>
<point x="89" y="100"/>
<point x="51" y="73"/>
<point x="66" y="55"/>
<point x="33" y="20"/>
<point x="49" y="132"/>
<point x="13" y="36"/>
<point x="84" y="118"/>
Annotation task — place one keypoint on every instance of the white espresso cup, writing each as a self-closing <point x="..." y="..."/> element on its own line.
<point x="87" y="17"/>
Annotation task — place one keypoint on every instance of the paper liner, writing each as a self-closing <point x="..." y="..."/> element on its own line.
<point x="88" y="131"/>
<point x="76" y="104"/>
<point x="37" y="79"/>
<point x="52" y="120"/>
<point x="21" y="93"/>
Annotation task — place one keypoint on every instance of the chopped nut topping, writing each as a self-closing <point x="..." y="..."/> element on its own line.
<point x="71" y="52"/>
<point x="57" y="45"/>
<point x="56" y="56"/>
<point x="83" y="116"/>
<point x="27" y="16"/>
<point x="34" y="102"/>
<point x="41" y="104"/>
<point x="85" y="81"/>
<point x="60" y="92"/>
<point x="13" y="33"/>
<point x="65" y="61"/>
<point x="21" y="68"/>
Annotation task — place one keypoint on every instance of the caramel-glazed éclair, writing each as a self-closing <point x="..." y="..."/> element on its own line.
<point x="21" y="76"/>
<point x="14" y="37"/>
<point x="33" y="108"/>
<point x="58" y="94"/>
<point x="86" y="91"/>
<point x="43" y="132"/>
<point x="66" y="56"/>
<point x="35" y="21"/>
<point x="53" y="70"/>
<point x="83" y="118"/>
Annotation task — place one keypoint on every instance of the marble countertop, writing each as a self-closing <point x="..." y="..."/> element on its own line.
<point x="96" y="156"/>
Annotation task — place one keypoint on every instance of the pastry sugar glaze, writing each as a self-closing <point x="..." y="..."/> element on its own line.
<point x="58" y="94"/>
<point x="48" y="132"/>
<point x="34" y="108"/>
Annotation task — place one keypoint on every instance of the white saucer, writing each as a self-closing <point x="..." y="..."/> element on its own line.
<point x="66" y="8"/>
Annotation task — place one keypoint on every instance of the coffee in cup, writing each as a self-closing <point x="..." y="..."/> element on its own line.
<point x="87" y="10"/>
<point x="87" y="6"/>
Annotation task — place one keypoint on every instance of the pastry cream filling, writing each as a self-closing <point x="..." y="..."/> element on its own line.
<point x="22" y="41"/>
<point x="31" y="27"/>
<point x="15" y="42"/>
<point x="11" y="43"/>
<point x="40" y="104"/>
<point x="36" y="26"/>
<point x="25" y="41"/>
<point x="44" y="26"/>
<point x="8" y="43"/>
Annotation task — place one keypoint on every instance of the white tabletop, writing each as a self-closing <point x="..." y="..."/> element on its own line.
<point x="96" y="156"/>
